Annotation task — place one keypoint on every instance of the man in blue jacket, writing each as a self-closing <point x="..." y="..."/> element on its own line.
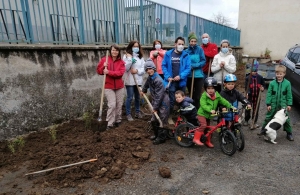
<point x="197" y="62"/>
<point x="176" y="67"/>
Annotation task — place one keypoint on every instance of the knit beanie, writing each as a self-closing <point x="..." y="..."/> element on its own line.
<point x="149" y="64"/>
<point x="192" y="35"/>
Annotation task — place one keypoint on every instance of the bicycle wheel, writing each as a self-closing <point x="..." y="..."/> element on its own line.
<point x="182" y="135"/>
<point x="227" y="142"/>
<point x="240" y="139"/>
<point x="170" y="133"/>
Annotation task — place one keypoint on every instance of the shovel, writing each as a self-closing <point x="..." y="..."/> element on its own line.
<point x="147" y="100"/>
<point x="192" y="85"/>
<point x="102" y="124"/>
<point x="209" y="66"/>
<point x="256" y="109"/>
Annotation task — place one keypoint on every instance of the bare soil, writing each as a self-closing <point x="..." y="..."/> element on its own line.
<point x="125" y="147"/>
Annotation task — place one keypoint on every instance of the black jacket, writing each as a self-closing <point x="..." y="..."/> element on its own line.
<point x="187" y="109"/>
<point x="260" y="82"/>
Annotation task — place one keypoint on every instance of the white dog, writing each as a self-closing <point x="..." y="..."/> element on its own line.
<point x="275" y="124"/>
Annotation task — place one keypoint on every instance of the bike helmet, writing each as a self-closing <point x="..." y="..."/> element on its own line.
<point x="230" y="78"/>
<point x="149" y="65"/>
<point x="210" y="82"/>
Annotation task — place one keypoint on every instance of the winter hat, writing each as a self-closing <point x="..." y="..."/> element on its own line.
<point x="149" y="64"/>
<point x="255" y="66"/>
<point x="192" y="35"/>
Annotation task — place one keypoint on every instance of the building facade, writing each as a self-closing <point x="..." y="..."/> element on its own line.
<point x="269" y="24"/>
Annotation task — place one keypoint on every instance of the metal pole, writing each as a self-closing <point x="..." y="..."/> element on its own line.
<point x="189" y="29"/>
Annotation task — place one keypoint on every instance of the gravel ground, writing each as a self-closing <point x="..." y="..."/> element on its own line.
<point x="261" y="168"/>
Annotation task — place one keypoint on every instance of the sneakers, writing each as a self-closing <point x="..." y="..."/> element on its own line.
<point x="138" y="115"/>
<point x="289" y="136"/>
<point x="246" y="123"/>
<point x="129" y="117"/>
<point x="255" y="126"/>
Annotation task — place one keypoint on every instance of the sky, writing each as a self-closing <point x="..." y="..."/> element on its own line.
<point x="206" y="8"/>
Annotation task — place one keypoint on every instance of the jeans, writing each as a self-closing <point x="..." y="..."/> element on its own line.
<point x="132" y="90"/>
<point x="174" y="86"/>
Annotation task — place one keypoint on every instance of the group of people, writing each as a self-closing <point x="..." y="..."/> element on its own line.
<point x="171" y="72"/>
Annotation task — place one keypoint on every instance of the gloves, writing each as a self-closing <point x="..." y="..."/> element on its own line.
<point x="155" y="54"/>
<point x="133" y="61"/>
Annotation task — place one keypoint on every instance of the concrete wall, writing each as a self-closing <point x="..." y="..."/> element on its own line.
<point x="272" y="24"/>
<point x="45" y="85"/>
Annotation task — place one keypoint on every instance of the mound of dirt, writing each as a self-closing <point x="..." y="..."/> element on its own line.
<point x="116" y="150"/>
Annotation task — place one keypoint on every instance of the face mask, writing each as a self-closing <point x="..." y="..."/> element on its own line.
<point x="224" y="50"/>
<point x="135" y="50"/>
<point x="180" y="48"/>
<point x="205" y="41"/>
<point x="157" y="46"/>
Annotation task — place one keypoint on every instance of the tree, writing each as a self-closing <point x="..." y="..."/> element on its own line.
<point x="221" y="19"/>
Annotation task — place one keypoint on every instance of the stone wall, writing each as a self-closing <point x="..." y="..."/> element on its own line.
<point x="44" y="85"/>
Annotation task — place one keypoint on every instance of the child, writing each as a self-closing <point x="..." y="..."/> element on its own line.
<point x="279" y="96"/>
<point x="187" y="109"/>
<point x="208" y="104"/>
<point x="232" y="95"/>
<point x="256" y="86"/>
<point x="160" y="101"/>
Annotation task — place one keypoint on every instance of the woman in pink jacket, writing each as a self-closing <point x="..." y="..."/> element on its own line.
<point x="157" y="55"/>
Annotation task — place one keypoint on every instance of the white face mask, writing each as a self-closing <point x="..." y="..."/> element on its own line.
<point x="180" y="48"/>
<point x="157" y="46"/>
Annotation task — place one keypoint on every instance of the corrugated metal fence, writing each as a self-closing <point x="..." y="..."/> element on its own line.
<point x="101" y="22"/>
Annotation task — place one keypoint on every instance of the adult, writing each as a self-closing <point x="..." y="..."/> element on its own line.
<point x="197" y="62"/>
<point x="223" y="64"/>
<point x="176" y="67"/>
<point x="134" y="64"/>
<point x="210" y="50"/>
<point x="114" y="86"/>
<point x="157" y="55"/>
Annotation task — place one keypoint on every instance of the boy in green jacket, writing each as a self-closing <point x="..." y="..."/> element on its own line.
<point x="279" y="96"/>
<point x="209" y="101"/>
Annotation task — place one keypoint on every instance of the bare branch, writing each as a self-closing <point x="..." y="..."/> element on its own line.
<point x="221" y="19"/>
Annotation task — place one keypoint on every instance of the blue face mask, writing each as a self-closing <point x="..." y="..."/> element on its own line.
<point x="135" y="50"/>
<point x="224" y="50"/>
<point x="205" y="41"/>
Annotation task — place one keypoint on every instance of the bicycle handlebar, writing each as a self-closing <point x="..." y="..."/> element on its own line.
<point x="224" y="112"/>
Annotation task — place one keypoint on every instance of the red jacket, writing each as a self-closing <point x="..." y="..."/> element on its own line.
<point x="116" y="70"/>
<point x="210" y="50"/>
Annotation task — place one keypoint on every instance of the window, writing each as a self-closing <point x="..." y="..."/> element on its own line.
<point x="290" y="53"/>
<point x="295" y="55"/>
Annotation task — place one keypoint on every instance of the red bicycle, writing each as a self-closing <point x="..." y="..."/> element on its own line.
<point x="170" y="132"/>
<point x="184" y="135"/>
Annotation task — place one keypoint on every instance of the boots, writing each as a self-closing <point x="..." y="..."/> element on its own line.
<point x="161" y="138"/>
<point x="208" y="143"/>
<point x="155" y="130"/>
<point x="197" y="137"/>
<point x="262" y="131"/>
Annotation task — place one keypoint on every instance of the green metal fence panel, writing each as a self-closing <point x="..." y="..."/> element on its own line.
<point x="102" y="22"/>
